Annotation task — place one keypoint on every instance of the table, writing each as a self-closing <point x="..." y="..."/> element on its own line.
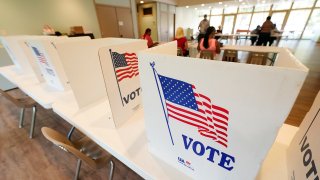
<point x="44" y="94"/>
<point x="127" y="143"/>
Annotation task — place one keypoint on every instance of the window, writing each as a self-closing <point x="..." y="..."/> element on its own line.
<point x="230" y="10"/>
<point x="294" y="29"/>
<point x="262" y="7"/>
<point x="245" y="8"/>
<point x="278" y="18"/>
<point x="215" y="21"/>
<point x="243" y="21"/>
<point x="281" y="6"/>
<point x="318" y="4"/>
<point x="312" y="27"/>
<point x="216" y="11"/>
<point x="147" y="11"/>
<point x="302" y="4"/>
<point x="258" y="19"/>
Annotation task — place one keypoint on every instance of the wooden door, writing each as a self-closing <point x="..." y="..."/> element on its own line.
<point x="107" y="18"/>
<point x="125" y="24"/>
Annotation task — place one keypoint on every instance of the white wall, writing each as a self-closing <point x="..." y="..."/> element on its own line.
<point x="29" y="16"/>
<point x="122" y="3"/>
<point x="187" y="18"/>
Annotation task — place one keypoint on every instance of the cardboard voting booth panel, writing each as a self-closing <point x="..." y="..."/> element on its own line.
<point x="303" y="158"/>
<point x="90" y="69"/>
<point x="169" y="48"/>
<point x="121" y="74"/>
<point x="16" y="52"/>
<point x="214" y="119"/>
<point x="48" y="60"/>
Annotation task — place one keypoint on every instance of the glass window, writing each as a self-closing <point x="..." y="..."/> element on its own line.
<point x="318" y="4"/>
<point x="245" y="8"/>
<point x="258" y="19"/>
<point x="228" y="24"/>
<point x="202" y="12"/>
<point x="243" y="21"/>
<point x="231" y="10"/>
<point x="278" y="18"/>
<point x="312" y="27"/>
<point x="215" y="21"/>
<point x="302" y="4"/>
<point x="262" y="7"/>
<point x="281" y="6"/>
<point x="216" y="11"/>
<point x="296" y="22"/>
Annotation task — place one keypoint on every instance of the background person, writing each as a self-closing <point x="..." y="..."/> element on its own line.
<point x="265" y="32"/>
<point x="147" y="36"/>
<point x="203" y="26"/>
<point x="182" y="41"/>
<point x="219" y="31"/>
<point x="209" y="43"/>
<point x="256" y="31"/>
<point x="274" y="32"/>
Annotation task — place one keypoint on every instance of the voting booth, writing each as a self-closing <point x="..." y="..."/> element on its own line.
<point x="303" y="158"/>
<point x="47" y="60"/>
<point x="214" y="119"/>
<point x="15" y="49"/>
<point x="105" y="71"/>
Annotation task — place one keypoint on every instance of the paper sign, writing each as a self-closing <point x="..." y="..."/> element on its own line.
<point x="303" y="158"/>
<point x="214" y="119"/>
<point x="121" y="74"/>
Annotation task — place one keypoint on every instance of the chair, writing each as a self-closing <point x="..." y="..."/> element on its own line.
<point x="257" y="58"/>
<point x="179" y="52"/>
<point x="84" y="149"/>
<point x="25" y="102"/>
<point x="230" y="55"/>
<point x="206" y="54"/>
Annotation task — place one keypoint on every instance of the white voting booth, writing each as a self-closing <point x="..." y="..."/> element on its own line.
<point x="17" y="54"/>
<point x="303" y="158"/>
<point x="214" y="119"/>
<point x="104" y="72"/>
<point x="47" y="60"/>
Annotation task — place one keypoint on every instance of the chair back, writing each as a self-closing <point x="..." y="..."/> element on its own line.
<point x="66" y="145"/>
<point x="257" y="58"/>
<point x="206" y="54"/>
<point x="179" y="51"/>
<point x="230" y="55"/>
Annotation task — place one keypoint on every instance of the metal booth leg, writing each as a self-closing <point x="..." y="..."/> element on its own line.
<point x="33" y="121"/>
<point x="111" y="170"/>
<point x="78" y="169"/>
<point x="21" y="117"/>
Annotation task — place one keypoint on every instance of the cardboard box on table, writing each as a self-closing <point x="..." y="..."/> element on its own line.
<point x="92" y="74"/>
<point x="303" y="158"/>
<point x="214" y="119"/>
<point x="45" y="55"/>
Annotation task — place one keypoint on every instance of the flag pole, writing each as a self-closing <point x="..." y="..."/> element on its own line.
<point x="155" y="77"/>
<point x="114" y="70"/>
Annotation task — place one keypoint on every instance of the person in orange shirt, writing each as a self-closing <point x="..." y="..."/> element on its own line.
<point x="147" y="36"/>
<point x="209" y="43"/>
<point x="265" y="32"/>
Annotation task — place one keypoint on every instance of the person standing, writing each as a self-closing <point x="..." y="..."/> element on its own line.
<point x="147" y="36"/>
<point x="203" y="26"/>
<point x="274" y="32"/>
<point x="265" y="32"/>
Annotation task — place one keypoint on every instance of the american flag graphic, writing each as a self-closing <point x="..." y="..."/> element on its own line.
<point x="40" y="56"/>
<point x="125" y="65"/>
<point x="184" y="104"/>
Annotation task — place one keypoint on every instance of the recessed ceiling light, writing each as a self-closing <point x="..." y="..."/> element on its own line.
<point x="220" y="2"/>
<point x="240" y="0"/>
<point x="187" y="6"/>
<point x="263" y="1"/>
<point x="202" y="4"/>
<point x="195" y="8"/>
<point x="243" y="3"/>
<point x="141" y="2"/>
<point x="225" y="5"/>
<point x="209" y="7"/>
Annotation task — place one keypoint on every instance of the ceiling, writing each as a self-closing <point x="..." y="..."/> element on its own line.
<point x="195" y="3"/>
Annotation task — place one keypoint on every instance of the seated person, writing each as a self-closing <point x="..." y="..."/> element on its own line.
<point x="256" y="32"/>
<point x="219" y="31"/>
<point x="274" y="32"/>
<point x="182" y="41"/>
<point x="147" y="36"/>
<point x="209" y="43"/>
